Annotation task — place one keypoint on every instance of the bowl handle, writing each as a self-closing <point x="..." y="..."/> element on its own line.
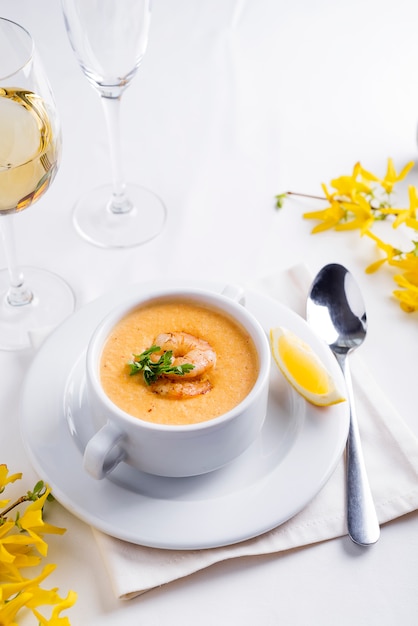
<point x="235" y="292"/>
<point x="104" y="451"/>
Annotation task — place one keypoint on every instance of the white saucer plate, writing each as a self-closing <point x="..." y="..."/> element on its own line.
<point x="293" y="457"/>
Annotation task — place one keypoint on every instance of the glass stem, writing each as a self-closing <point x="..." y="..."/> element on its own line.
<point x="18" y="293"/>
<point x="119" y="203"/>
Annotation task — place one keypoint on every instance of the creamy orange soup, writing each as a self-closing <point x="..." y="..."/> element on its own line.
<point x="231" y="379"/>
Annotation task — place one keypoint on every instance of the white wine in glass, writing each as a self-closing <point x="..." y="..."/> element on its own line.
<point x="109" y="39"/>
<point x="32" y="300"/>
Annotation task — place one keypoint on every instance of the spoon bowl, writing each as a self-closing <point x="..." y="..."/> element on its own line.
<point x="336" y="311"/>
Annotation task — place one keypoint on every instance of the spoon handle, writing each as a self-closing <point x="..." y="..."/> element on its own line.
<point x="362" y="522"/>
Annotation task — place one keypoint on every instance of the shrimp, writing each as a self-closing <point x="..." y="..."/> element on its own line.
<point x="181" y="389"/>
<point x="186" y="348"/>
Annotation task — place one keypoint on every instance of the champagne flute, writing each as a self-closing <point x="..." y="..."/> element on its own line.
<point x="32" y="300"/>
<point x="109" y="39"/>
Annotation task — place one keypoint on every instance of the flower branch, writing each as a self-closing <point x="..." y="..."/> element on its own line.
<point x="22" y="546"/>
<point x="31" y="496"/>
<point x="356" y="202"/>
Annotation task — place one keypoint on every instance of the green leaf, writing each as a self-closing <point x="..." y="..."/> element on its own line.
<point x="37" y="492"/>
<point x="280" y="200"/>
<point x="152" y="370"/>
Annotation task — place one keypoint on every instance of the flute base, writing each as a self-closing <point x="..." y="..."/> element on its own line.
<point x="99" y="225"/>
<point x="27" y="325"/>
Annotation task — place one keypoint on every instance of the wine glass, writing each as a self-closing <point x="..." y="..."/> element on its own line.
<point x="32" y="300"/>
<point x="109" y="39"/>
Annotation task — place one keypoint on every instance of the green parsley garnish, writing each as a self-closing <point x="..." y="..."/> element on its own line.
<point x="151" y="370"/>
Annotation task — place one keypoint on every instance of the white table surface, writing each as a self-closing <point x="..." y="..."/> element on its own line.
<point x="236" y="101"/>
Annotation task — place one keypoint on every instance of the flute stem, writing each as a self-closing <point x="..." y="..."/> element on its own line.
<point x="18" y="293"/>
<point x="119" y="202"/>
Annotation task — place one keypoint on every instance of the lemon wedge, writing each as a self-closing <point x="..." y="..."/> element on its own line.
<point x="302" y="368"/>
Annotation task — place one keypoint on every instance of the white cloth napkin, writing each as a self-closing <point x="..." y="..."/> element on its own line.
<point x="391" y="455"/>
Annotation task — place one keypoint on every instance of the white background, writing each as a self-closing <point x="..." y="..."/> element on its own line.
<point x="236" y="101"/>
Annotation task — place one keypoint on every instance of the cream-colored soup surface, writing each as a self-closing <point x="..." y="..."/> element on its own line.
<point x="231" y="379"/>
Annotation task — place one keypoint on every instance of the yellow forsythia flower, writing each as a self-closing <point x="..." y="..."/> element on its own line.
<point x="22" y="546"/>
<point x="356" y="202"/>
<point x="391" y="177"/>
<point x="4" y="480"/>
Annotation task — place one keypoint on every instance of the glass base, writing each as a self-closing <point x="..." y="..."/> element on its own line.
<point x="94" y="220"/>
<point x="26" y="326"/>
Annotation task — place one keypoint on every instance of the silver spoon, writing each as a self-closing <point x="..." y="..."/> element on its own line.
<point x="335" y="310"/>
